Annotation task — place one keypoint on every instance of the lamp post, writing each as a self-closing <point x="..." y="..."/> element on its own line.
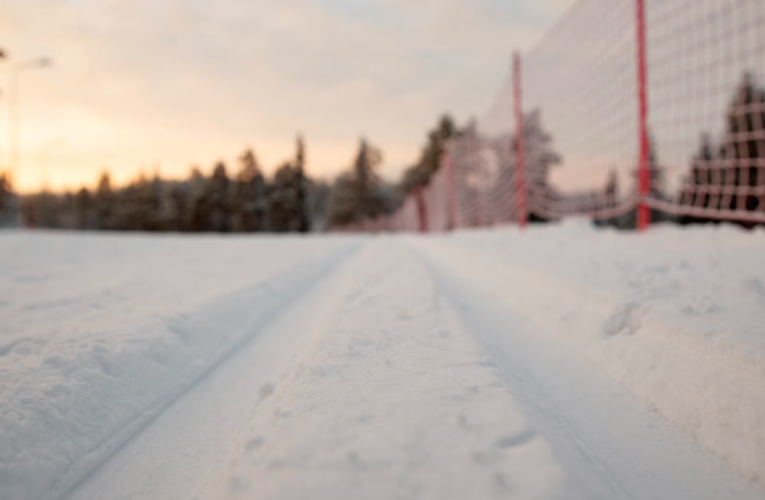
<point x="13" y="94"/>
<point x="3" y="56"/>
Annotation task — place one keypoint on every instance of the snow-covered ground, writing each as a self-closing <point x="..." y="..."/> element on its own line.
<point x="565" y="362"/>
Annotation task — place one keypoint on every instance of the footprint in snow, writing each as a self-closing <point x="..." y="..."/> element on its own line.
<point x="626" y="318"/>
<point x="512" y="441"/>
<point x="253" y="444"/>
<point x="266" y="390"/>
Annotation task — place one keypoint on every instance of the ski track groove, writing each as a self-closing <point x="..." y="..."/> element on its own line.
<point x="146" y="417"/>
<point x="521" y="377"/>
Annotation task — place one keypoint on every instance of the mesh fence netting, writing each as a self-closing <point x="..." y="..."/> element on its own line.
<point x="564" y="135"/>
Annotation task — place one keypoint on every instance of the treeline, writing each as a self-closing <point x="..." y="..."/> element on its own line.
<point x="721" y="179"/>
<point x="246" y="201"/>
<point x="243" y="199"/>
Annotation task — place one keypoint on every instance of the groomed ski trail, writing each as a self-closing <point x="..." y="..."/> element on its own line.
<point x="425" y="387"/>
<point x="397" y="367"/>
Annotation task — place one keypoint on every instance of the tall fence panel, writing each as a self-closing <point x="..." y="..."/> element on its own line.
<point x="623" y="106"/>
<point x="706" y="62"/>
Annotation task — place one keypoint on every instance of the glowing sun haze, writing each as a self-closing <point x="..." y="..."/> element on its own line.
<point x="161" y="85"/>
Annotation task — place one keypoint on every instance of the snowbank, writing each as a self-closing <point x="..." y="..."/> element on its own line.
<point x="676" y="315"/>
<point x="100" y="334"/>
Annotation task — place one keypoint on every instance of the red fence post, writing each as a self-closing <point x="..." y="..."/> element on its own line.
<point x="520" y="160"/>
<point x="451" y="192"/>
<point x="422" y="210"/>
<point x="644" y="181"/>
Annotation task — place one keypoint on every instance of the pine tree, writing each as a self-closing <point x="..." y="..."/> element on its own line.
<point x="219" y="217"/>
<point x="419" y="174"/>
<point x="5" y="191"/>
<point x="104" y="202"/>
<point x="85" y="210"/>
<point x="740" y="146"/>
<point x="155" y="198"/>
<point x="736" y="162"/>
<point x="540" y="157"/>
<point x="199" y="204"/>
<point x="250" y="203"/>
<point x="175" y="207"/>
<point x="369" y="184"/>
<point x="284" y="208"/>
<point x="8" y="201"/>
<point x="301" y="186"/>
<point x="319" y="192"/>
<point x="360" y="193"/>
<point x="344" y="206"/>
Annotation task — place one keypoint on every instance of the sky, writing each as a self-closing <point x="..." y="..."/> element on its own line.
<point x="161" y="85"/>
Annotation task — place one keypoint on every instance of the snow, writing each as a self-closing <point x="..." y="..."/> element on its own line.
<point x="382" y="403"/>
<point x="563" y="362"/>
<point x="102" y="334"/>
<point x="675" y="315"/>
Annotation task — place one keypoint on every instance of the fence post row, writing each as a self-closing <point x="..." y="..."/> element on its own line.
<point x="480" y="217"/>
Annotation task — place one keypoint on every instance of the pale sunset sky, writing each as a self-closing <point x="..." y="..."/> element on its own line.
<point x="161" y="85"/>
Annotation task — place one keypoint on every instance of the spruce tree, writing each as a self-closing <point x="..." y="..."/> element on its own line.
<point x="360" y="193"/>
<point x="419" y="174"/>
<point x="250" y="201"/>
<point x="219" y="216"/>
<point x="301" y="186"/>
<point x="104" y="202"/>
<point x="284" y="209"/>
<point x="736" y="162"/>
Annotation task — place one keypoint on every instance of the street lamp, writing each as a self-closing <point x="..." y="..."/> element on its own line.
<point x="13" y="95"/>
<point x="2" y="57"/>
